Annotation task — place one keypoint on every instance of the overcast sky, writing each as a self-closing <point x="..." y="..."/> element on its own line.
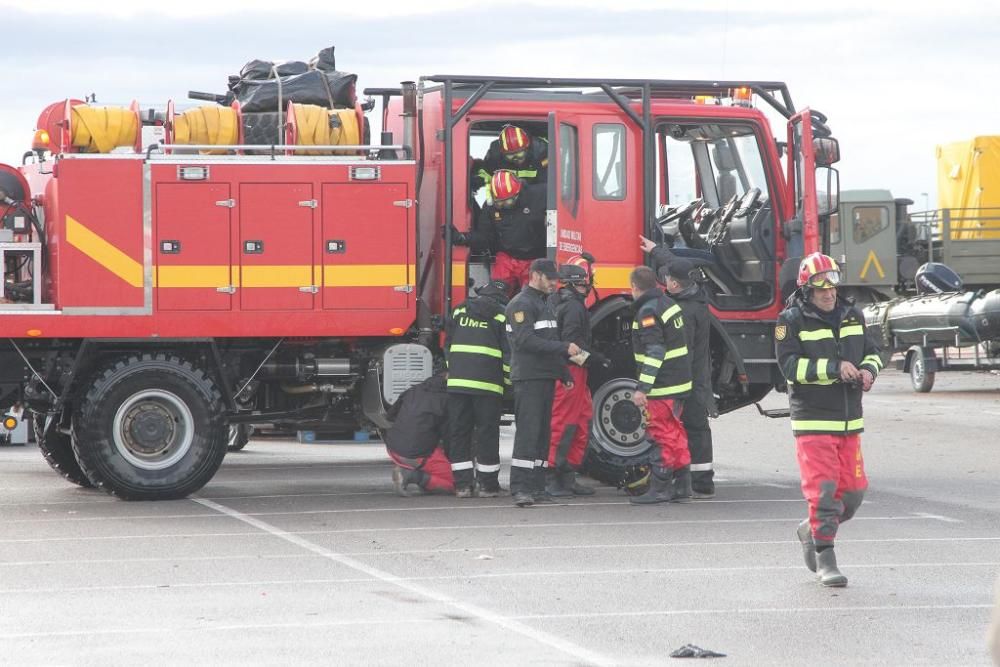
<point x="895" y="79"/>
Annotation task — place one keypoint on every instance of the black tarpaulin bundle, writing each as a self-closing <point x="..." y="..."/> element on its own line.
<point x="263" y="85"/>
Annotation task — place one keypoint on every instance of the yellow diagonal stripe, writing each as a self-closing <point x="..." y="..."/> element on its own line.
<point x="102" y="252"/>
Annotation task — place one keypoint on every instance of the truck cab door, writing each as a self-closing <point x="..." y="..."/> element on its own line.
<point x="563" y="222"/>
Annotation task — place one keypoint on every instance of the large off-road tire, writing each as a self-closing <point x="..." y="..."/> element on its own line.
<point x="150" y="428"/>
<point x="618" y="434"/>
<point x="57" y="449"/>
<point x="239" y="437"/>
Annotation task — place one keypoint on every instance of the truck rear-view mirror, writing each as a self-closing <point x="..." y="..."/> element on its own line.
<point x="827" y="190"/>
<point x="826" y="150"/>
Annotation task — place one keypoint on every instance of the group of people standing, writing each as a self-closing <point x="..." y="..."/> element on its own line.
<point x="538" y="346"/>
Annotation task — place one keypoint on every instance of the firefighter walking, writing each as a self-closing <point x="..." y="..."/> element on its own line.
<point x="538" y="359"/>
<point x="828" y="359"/>
<point x="478" y="373"/>
<point x="572" y="407"/>
<point x="664" y="371"/>
<point x="512" y="227"/>
<point x="676" y="275"/>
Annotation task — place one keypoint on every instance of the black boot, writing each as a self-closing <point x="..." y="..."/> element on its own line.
<point x="554" y="484"/>
<point x="682" y="485"/>
<point x="808" y="548"/>
<point x="661" y="488"/>
<point x="577" y="489"/>
<point x="826" y="568"/>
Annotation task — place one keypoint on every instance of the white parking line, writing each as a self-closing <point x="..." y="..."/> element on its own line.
<point x="365" y="510"/>
<point x="487" y="526"/>
<point x="827" y="610"/>
<point x="552" y="641"/>
<point x="486" y="575"/>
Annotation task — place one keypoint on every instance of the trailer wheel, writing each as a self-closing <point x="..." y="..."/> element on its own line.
<point x="57" y="449"/>
<point x="921" y="378"/>
<point x="150" y="428"/>
<point x="618" y="433"/>
<point x="239" y="436"/>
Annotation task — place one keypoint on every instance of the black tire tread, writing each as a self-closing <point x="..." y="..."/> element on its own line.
<point x="92" y="459"/>
<point x="57" y="450"/>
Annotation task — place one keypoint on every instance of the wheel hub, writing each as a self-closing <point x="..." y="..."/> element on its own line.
<point x="619" y="425"/>
<point x="149" y="428"/>
<point x="153" y="429"/>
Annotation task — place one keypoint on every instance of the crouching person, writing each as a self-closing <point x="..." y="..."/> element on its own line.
<point x="420" y="422"/>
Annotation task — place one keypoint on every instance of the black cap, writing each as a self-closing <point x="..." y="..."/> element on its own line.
<point x="496" y="290"/>
<point x="679" y="268"/>
<point x="546" y="267"/>
<point x="573" y="274"/>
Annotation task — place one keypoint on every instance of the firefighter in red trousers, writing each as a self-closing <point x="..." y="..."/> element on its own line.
<point x="572" y="407"/>
<point x="661" y="356"/>
<point x="512" y="226"/>
<point x="828" y="359"/>
<point x="419" y="425"/>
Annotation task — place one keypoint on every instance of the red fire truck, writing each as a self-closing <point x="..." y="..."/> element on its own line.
<point x="158" y="299"/>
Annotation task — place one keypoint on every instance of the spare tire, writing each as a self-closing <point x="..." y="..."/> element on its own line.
<point x="57" y="449"/>
<point x="617" y="434"/>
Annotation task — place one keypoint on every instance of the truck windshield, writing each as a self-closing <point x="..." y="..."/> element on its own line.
<point x="710" y="161"/>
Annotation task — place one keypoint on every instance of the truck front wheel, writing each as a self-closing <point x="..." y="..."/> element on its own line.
<point x="618" y="434"/>
<point x="150" y="428"/>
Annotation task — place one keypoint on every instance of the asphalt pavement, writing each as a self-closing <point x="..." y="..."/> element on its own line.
<point x="301" y="554"/>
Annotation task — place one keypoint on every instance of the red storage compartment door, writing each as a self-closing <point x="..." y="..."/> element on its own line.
<point x="276" y="246"/>
<point x="366" y="246"/>
<point x="193" y="247"/>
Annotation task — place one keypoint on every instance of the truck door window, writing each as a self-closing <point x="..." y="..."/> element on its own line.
<point x="609" y="161"/>
<point x="569" y="176"/>
<point x="869" y="221"/>
<point x="682" y="179"/>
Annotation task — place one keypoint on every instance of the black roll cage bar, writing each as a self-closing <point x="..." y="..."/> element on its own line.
<point x="623" y="92"/>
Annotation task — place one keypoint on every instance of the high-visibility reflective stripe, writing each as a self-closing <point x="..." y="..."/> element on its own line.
<point x="477" y="349"/>
<point x="827" y="425"/>
<point x="522" y="463"/>
<point x="647" y="379"/>
<point x="546" y="324"/>
<point x="463" y="465"/>
<point x="475" y="384"/>
<point x="670" y="312"/>
<point x="802" y="370"/>
<point x="458" y="311"/>
<point x="676" y="352"/>
<point x="652" y="361"/>
<point x="852" y="330"/>
<point x="873" y="359"/>
<point x="541" y="463"/>
<point x="821" y="364"/>
<point x="506" y="368"/>
<point x="819" y="334"/>
<point x="700" y="467"/>
<point x="482" y="467"/>
<point x="508" y="328"/>
<point x="526" y="173"/>
<point x="673" y="389"/>
<point x="635" y="325"/>
<point x="500" y="318"/>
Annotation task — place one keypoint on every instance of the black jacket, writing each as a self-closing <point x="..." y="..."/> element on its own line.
<point x="536" y="351"/>
<point x="517" y="231"/>
<point x="660" y="347"/>
<point x="533" y="170"/>
<point x="698" y="332"/>
<point x="572" y="317"/>
<point x="420" y="419"/>
<point x="477" y="349"/>
<point x="810" y="346"/>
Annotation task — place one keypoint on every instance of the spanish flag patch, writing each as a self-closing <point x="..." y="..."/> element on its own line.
<point x="648" y="321"/>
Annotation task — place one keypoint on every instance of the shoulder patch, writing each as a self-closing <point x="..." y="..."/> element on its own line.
<point x="780" y="332"/>
<point x="648" y="321"/>
<point x="519" y="316"/>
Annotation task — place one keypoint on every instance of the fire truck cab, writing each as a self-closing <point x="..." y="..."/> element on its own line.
<point x="158" y="300"/>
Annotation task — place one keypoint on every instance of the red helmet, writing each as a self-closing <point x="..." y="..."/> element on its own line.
<point x="818" y="270"/>
<point x="504" y="185"/>
<point x="513" y="139"/>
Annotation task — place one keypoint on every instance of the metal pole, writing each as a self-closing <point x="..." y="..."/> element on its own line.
<point x="648" y="166"/>
<point x="448" y="197"/>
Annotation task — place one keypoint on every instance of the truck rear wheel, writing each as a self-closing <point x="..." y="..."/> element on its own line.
<point x="618" y="434"/>
<point x="150" y="428"/>
<point x="57" y="449"/>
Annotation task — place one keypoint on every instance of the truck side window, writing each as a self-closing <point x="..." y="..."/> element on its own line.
<point x="609" y="161"/>
<point x="869" y="221"/>
<point x="569" y="176"/>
